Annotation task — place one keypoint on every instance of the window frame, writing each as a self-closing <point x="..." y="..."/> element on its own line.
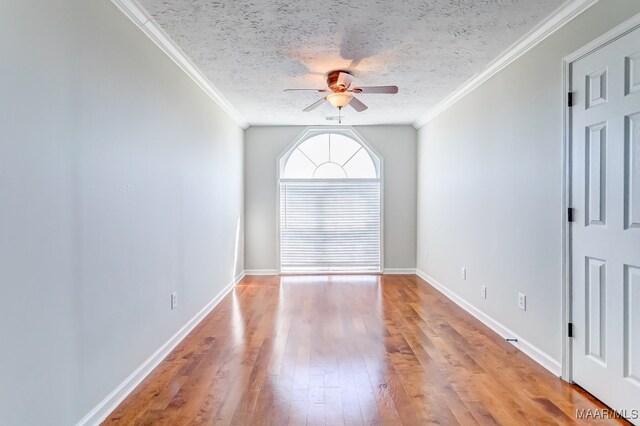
<point x="281" y="161"/>
<point x="311" y="132"/>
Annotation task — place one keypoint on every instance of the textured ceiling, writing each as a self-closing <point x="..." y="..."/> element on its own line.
<point x="253" y="49"/>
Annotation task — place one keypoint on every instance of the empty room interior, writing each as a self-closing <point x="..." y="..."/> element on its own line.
<point x="297" y="212"/>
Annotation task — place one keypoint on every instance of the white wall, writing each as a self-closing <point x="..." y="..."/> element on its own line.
<point x="263" y="146"/>
<point x="120" y="182"/>
<point x="489" y="185"/>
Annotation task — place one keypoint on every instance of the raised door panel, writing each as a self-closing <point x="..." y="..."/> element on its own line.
<point x="632" y="73"/>
<point x="596" y="174"/>
<point x="596" y="315"/>
<point x="596" y="88"/>
<point x="632" y="172"/>
<point x="632" y="324"/>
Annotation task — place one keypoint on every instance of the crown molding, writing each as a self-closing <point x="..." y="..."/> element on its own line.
<point x="559" y="18"/>
<point x="140" y="17"/>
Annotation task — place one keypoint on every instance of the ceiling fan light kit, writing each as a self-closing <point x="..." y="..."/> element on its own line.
<point x="341" y="93"/>
<point x="340" y="99"/>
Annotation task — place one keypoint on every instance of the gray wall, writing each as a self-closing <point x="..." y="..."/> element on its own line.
<point x="263" y="146"/>
<point x="489" y="185"/>
<point x="120" y="182"/>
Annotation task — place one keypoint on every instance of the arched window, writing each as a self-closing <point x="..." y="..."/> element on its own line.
<point x="330" y="204"/>
<point x="329" y="156"/>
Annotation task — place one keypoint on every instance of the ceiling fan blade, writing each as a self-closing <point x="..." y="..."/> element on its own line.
<point x="376" y="89"/>
<point x="315" y="105"/>
<point x="313" y="90"/>
<point x="344" y="80"/>
<point x="357" y="105"/>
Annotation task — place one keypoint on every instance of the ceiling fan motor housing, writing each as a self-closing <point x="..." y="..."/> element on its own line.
<point x="332" y="81"/>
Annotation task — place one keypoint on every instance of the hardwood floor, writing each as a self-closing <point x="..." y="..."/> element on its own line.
<point x="333" y="350"/>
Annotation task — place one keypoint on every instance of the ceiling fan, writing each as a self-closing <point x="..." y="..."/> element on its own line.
<point x="341" y="93"/>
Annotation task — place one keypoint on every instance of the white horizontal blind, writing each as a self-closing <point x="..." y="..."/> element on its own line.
<point x="330" y="226"/>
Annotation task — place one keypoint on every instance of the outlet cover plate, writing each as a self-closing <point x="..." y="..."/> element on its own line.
<point x="522" y="301"/>
<point x="174" y="300"/>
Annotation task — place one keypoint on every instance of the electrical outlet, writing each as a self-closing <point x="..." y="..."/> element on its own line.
<point x="463" y="273"/>
<point x="522" y="301"/>
<point x="426" y="255"/>
<point x="174" y="300"/>
<point x="483" y="291"/>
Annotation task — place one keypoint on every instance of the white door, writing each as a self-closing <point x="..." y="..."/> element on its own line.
<point x="605" y="192"/>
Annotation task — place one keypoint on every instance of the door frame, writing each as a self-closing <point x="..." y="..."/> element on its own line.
<point x="614" y="34"/>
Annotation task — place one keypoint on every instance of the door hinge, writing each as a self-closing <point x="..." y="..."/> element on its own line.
<point x="570" y="99"/>
<point x="570" y="214"/>
<point x="570" y="329"/>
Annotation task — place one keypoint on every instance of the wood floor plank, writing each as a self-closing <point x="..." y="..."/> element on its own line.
<point x="347" y="350"/>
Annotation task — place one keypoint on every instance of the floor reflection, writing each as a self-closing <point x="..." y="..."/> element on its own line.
<point x="328" y="359"/>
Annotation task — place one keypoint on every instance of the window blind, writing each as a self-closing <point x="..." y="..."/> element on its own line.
<point x="330" y="226"/>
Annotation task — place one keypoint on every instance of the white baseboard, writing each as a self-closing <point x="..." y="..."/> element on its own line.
<point x="529" y="349"/>
<point x="239" y="277"/>
<point x="386" y="271"/>
<point x="101" y="411"/>
<point x="399" y="271"/>
<point x="250" y="272"/>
